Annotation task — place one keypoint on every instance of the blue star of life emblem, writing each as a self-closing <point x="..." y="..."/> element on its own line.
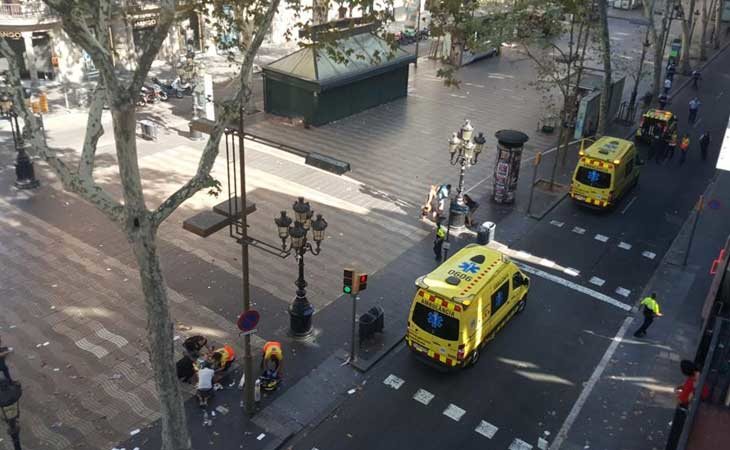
<point x="593" y="176"/>
<point x="435" y="319"/>
<point x="469" y="267"/>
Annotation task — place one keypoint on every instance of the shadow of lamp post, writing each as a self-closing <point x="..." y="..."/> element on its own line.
<point x="10" y="406"/>
<point x="300" y="311"/>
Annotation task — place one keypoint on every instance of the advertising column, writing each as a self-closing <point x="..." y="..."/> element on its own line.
<point x="507" y="167"/>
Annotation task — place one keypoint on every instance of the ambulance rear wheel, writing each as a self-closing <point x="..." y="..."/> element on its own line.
<point x="521" y="305"/>
<point x="474" y="357"/>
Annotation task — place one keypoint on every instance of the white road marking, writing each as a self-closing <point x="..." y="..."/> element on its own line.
<point x="557" y="223"/>
<point x="94" y="349"/>
<point x="542" y="444"/>
<point x="547" y="263"/>
<point x="393" y="381"/>
<point x="579" y="230"/>
<point x="486" y="429"/>
<point x="522" y="255"/>
<point x="454" y="412"/>
<point x="588" y="387"/>
<point x="576" y="287"/>
<point x="626" y="208"/>
<point x="624" y="245"/>
<point x="423" y="396"/>
<point x="597" y="281"/>
<point x="572" y="272"/>
<point x="519" y="444"/>
<point x="623" y="291"/>
<point x="600" y="237"/>
<point x="648" y="254"/>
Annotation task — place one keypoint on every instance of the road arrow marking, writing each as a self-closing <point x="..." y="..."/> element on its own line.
<point x="597" y="281"/>
<point x="454" y="412"/>
<point x="600" y="237"/>
<point x="423" y="396"/>
<point x="575" y="286"/>
<point x="519" y="444"/>
<point x="393" y="382"/>
<point x="486" y="429"/>
<point x="648" y="254"/>
<point x="579" y="230"/>
<point x="624" y="245"/>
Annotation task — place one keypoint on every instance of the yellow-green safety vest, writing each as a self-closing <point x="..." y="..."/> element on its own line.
<point x="651" y="304"/>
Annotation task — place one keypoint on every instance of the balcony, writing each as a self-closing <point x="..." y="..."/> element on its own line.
<point x="25" y="16"/>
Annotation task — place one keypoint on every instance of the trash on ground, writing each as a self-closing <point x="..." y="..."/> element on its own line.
<point x="352" y="391"/>
<point x="260" y="436"/>
<point x="133" y="432"/>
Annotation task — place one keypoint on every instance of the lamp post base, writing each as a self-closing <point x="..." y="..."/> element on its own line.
<point x="457" y="216"/>
<point x="194" y="134"/>
<point x="300" y="318"/>
<point x="24" y="172"/>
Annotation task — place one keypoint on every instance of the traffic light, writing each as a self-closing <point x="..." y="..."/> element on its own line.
<point x="362" y="282"/>
<point x="348" y="278"/>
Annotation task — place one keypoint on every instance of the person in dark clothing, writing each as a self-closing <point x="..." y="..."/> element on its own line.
<point x="704" y="144"/>
<point x="659" y="148"/>
<point x="472" y="205"/>
<point x="663" y="100"/>
<point x="696" y="77"/>
<point x="4" y="352"/>
<point x="671" y="70"/>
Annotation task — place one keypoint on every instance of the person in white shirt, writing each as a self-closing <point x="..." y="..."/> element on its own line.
<point x="667" y="85"/>
<point x="205" y="384"/>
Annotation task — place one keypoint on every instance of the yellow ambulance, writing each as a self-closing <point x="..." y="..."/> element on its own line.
<point x="605" y="172"/>
<point x="462" y="304"/>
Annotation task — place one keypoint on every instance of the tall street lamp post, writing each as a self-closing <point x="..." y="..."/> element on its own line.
<point x="300" y="311"/>
<point x="464" y="152"/>
<point x="24" y="171"/>
<point x="9" y="405"/>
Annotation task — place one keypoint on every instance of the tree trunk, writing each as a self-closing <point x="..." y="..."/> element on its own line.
<point x="659" y="46"/>
<point x="160" y="338"/>
<point x="605" y="103"/>
<point x="687" y="29"/>
<point x="704" y="20"/>
<point x="142" y="236"/>
<point x="718" y="22"/>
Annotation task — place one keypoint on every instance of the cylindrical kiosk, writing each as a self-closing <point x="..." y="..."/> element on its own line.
<point x="507" y="167"/>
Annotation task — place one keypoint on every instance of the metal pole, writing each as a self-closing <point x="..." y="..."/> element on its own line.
<point x="418" y="32"/>
<point x="538" y="157"/>
<point x="698" y="208"/>
<point x="247" y="356"/>
<point x="446" y="244"/>
<point x="353" y="354"/>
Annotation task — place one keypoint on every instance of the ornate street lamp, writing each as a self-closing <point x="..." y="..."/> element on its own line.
<point x="24" y="171"/>
<point x="463" y="151"/>
<point x="296" y="233"/>
<point x="9" y="405"/>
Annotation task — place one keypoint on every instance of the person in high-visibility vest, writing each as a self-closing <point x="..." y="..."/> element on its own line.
<point x="272" y="360"/>
<point x="438" y="242"/>
<point x="650" y="309"/>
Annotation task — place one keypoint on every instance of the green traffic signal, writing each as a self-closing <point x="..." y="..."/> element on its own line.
<point x="347" y="289"/>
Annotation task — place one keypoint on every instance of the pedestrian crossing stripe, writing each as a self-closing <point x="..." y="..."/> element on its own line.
<point x="423" y="396"/>
<point x="486" y="429"/>
<point x="393" y="381"/>
<point x="454" y="412"/>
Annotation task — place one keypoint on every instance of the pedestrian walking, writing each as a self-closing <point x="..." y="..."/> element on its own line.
<point x="704" y="144"/>
<point x="696" y="77"/>
<point x="683" y="148"/>
<point x="442" y="195"/>
<point x="667" y="85"/>
<point x="438" y="242"/>
<point x="663" y="100"/>
<point x="672" y="145"/>
<point x="4" y="352"/>
<point x="694" y="107"/>
<point x="658" y="148"/>
<point x="650" y="310"/>
<point x="671" y="70"/>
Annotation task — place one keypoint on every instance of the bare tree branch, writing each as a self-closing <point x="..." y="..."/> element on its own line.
<point x="74" y="16"/>
<point x="94" y="130"/>
<point x="152" y="45"/>
<point x="230" y="109"/>
<point x="84" y="187"/>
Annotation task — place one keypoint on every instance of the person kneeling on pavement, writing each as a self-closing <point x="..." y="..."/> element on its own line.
<point x="271" y="362"/>
<point x="205" y="383"/>
<point x="221" y="359"/>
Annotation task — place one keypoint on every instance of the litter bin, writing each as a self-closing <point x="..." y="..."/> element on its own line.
<point x="149" y="129"/>
<point x="371" y="322"/>
<point x="485" y="233"/>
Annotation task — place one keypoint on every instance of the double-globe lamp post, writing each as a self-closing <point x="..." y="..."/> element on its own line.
<point x="300" y="311"/>
<point x="464" y="151"/>
<point x="24" y="171"/>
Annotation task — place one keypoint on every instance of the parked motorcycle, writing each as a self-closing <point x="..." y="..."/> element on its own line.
<point x="170" y="89"/>
<point x="151" y="94"/>
<point x="183" y="87"/>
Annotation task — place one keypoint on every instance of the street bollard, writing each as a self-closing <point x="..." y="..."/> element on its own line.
<point x="538" y="158"/>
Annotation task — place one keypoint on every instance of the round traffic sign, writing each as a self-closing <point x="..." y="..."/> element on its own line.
<point x="248" y="320"/>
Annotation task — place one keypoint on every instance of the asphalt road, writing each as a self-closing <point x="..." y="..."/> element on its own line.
<point x="530" y="376"/>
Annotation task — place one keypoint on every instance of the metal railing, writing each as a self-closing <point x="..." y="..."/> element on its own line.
<point x="25" y="10"/>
